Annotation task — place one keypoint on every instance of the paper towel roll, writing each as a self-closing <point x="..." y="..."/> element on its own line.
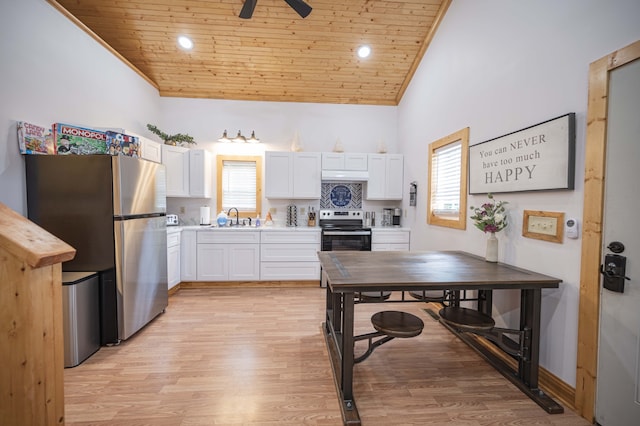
<point x="205" y="215"/>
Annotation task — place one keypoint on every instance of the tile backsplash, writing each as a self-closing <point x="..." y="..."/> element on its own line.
<point x="341" y="195"/>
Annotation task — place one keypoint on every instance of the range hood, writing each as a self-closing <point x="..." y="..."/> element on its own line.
<point x="345" y="175"/>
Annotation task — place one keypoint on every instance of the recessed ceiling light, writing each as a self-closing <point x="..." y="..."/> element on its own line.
<point x="364" y="51"/>
<point x="185" y="42"/>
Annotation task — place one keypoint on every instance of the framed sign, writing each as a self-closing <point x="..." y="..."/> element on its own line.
<point x="536" y="158"/>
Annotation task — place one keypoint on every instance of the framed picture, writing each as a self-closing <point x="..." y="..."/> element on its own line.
<point x="547" y="226"/>
<point x="540" y="157"/>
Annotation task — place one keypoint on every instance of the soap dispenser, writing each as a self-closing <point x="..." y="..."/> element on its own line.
<point x="222" y="219"/>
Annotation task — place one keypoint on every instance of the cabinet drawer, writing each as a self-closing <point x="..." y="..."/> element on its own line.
<point x="173" y="239"/>
<point x="390" y="247"/>
<point x="390" y="237"/>
<point x="289" y="271"/>
<point x="230" y="236"/>
<point x="289" y="252"/>
<point x="277" y="237"/>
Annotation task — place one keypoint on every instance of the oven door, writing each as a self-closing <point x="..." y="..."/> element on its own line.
<point x="341" y="240"/>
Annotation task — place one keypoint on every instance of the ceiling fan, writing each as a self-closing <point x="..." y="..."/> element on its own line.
<point x="302" y="8"/>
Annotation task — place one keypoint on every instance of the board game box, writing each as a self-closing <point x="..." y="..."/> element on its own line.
<point x="79" y="140"/>
<point x="33" y="139"/>
<point x="121" y="144"/>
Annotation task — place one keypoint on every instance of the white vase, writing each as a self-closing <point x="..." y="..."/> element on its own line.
<point x="492" y="248"/>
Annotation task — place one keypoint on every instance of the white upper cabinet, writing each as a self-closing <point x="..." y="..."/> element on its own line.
<point x="385" y="177"/>
<point x="189" y="171"/>
<point x="292" y="175"/>
<point x="200" y="173"/>
<point x="344" y="161"/>
<point x="150" y="150"/>
<point x="176" y="161"/>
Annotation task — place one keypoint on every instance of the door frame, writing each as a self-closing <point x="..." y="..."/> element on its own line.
<point x="594" y="176"/>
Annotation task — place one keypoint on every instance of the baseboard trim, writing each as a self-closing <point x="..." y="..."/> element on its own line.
<point x="247" y="284"/>
<point x="548" y="382"/>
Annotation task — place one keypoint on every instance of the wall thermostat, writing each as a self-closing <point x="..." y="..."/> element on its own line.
<point x="571" y="228"/>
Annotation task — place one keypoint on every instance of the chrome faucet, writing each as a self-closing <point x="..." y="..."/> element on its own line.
<point x="237" y="216"/>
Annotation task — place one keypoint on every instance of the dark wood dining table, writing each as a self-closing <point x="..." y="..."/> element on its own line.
<point x="348" y="273"/>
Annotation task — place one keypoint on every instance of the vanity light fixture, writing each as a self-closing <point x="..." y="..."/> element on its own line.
<point x="224" y="137"/>
<point x="364" y="51"/>
<point x="253" y="138"/>
<point x="239" y="138"/>
<point x="185" y="42"/>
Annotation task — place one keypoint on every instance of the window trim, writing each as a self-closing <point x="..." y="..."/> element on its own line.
<point x="433" y="218"/>
<point x="220" y="159"/>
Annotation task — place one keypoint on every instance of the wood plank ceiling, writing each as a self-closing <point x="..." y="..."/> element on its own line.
<point x="274" y="56"/>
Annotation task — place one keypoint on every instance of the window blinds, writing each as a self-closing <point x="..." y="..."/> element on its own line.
<point x="239" y="185"/>
<point x="445" y="179"/>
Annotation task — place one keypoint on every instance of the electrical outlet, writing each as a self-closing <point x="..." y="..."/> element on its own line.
<point x="182" y="210"/>
<point x="302" y="210"/>
<point x="273" y="210"/>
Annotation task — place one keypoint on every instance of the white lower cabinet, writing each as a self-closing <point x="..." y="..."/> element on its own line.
<point x="290" y="255"/>
<point x="173" y="259"/>
<point x="390" y="239"/>
<point x="188" y="259"/>
<point x="232" y="255"/>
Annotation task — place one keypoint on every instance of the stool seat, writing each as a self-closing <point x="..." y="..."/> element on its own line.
<point x="374" y="296"/>
<point x="466" y="319"/>
<point x="428" y="295"/>
<point x="397" y="324"/>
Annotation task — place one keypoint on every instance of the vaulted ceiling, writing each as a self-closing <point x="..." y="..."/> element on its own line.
<point x="276" y="55"/>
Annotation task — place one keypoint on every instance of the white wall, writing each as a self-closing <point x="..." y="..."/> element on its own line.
<point x="360" y="128"/>
<point x="498" y="66"/>
<point x="51" y="71"/>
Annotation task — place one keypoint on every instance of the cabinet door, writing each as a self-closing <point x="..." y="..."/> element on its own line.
<point x="213" y="262"/>
<point x="394" y="177"/>
<point x="385" y="177"/>
<point x="278" y="174"/>
<point x="244" y="262"/>
<point x="188" y="256"/>
<point x="353" y="161"/>
<point x="176" y="161"/>
<point x="307" y="179"/>
<point x="332" y="161"/>
<point x="150" y="150"/>
<point x="377" y="177"/>
<point x="200" y="173"/>
<point x="173" y="265"/>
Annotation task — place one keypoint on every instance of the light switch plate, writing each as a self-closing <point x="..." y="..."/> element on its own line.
<point x="543" y="225"/>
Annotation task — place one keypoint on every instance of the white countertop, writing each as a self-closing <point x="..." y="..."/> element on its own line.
<point x="265" y="228"/>
<point x="249" y="228"/>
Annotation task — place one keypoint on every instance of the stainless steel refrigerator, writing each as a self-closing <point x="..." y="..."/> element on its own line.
<point x="112" y="211"/>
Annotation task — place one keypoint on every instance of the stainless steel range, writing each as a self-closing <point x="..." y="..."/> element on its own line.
<point x="344" y="230"/>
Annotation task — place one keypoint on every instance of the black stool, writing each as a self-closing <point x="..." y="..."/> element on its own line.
<point x="390" y="324"/>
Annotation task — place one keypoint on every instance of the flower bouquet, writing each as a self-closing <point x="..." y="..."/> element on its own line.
<point x="490" y="217"/>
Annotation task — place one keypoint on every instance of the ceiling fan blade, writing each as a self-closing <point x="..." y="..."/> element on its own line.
<point x="302" y="8"/>
<point x="247" y="9"/>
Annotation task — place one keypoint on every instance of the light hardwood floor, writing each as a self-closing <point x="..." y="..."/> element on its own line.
<point x="256" y="356"/>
